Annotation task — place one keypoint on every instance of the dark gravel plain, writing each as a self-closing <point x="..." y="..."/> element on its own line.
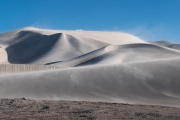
<point x="25" y="109"/>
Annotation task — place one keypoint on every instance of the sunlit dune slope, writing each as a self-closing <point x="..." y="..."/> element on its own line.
<point x="3" y="55"/>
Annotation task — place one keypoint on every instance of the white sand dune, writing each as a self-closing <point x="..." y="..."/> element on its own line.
<point x="87" y="65"/>
<point x="153" y="82"/>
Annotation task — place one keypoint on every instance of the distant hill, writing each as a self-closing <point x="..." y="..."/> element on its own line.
<point x="174" y="46"/>
<point x="167" y="44"/>
<point x="161" y="43"/>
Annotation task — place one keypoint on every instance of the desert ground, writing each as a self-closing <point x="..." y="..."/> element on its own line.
<point x="82" y="110"/>
<point x="52" y="67"/>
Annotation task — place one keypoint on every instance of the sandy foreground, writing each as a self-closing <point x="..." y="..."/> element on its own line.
<point x="49" y="109"/>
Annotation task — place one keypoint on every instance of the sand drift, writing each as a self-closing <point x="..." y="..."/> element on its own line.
<point x="87" y="65"/>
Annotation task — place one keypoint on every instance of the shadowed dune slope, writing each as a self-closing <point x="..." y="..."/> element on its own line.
<point x="36" y="48"/>
<point x="30" y="49"/>
<point x="152" y="82"/>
